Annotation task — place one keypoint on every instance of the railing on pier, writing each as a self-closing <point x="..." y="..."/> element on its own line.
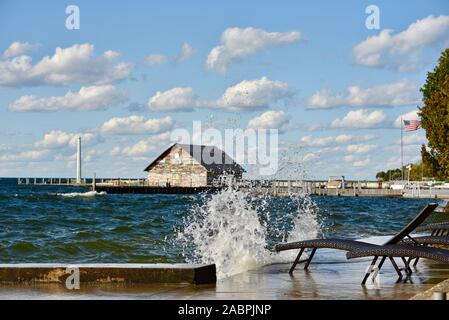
<point x="286" y="187"/>
<point x="417" y="191"/>
<point x="84" y="182"/>
<point x="272" y="187"/>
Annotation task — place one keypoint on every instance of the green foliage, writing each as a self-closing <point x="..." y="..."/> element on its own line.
<point x="435" y="118"/>
<point x="394" y="174"/>
<point x="431" y="167"/>
<point x="419" y="171"/>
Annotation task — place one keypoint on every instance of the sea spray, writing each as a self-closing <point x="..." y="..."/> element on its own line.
<point x="237" y="230"/>
<point x="226" y="231"/>
<point x="305" y="223"/>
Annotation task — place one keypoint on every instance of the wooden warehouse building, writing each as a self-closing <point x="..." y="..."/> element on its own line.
<point x="187" y="165"/>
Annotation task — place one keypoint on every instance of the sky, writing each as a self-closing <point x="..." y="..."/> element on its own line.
<point x="334" y="87"/>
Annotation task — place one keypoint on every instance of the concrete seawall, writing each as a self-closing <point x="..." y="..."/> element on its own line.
<point x="108" y="273"/>
<point x="154" y="190"/>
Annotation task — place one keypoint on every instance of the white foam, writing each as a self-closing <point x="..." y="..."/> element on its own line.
<point x="227" y="230"/>
<point x="88" y="194"/>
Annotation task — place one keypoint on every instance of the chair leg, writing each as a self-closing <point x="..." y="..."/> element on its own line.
<point x="310" y="258"/>
<point x="409" y="262"/>
<point x="370" y="270"/>
<point x="381" y="263"/>
<point x="398" y="271"/>
<point x="407" y="268"/>
<point x="296" y="261"/>
<point x="416" y="260"/>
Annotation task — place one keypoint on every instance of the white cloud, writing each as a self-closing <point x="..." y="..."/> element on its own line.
<point x="330" y="152"/>
<point x="140" y="148"/>
<point x="86" y="99"/>
<point x="56" y="139"/>
<point x="18" y="48"/>
<point x="402" y="50"/>
<point x="311" y="141"/>
<point x="75" y="64"/>
<point x="237" y="44"/>
<point x="411" y="149"/>
<point x="361" y="163"/>
<point x="400" y="93"/>
<point x="315" y="127"/>
<point x="144" y="147"/>
<point x="30" y="155"/>
<point x="412" y="115"/>
<point x="187" y="51"/>
<point x="176" y="99"/>
<point x="360" y="148"/>
<point x="136" y="125"/>
<point x="253" y="94"/>
<point x="92" y="155"/>
<point x="360" y="119"/>
<point x="154" y="59"/>
<point x="395" y="161"/>
<point x="247" y="95"/>
<point x="271" y="120"/>
<point x="310" y="156"/>
<point x="344" y="138"/>
<point x="110" y="54"/>
<point x="413" y="139"/>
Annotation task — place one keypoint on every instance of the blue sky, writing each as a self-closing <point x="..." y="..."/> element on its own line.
<point x="334" y="88"/>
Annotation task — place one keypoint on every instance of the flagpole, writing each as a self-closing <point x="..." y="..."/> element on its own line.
<point x="402" y="153"/>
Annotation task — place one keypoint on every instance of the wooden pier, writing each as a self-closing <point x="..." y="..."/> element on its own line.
<point x="273" y="190"/>
<point x="85" y="182"/>
<point x="270" y="187"/>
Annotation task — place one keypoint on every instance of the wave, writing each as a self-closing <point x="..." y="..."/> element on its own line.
<point x="231" y="229"/>
<point x="88" y="194"/>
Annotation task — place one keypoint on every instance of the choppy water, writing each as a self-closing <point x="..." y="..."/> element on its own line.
<point x="64" y="224"/>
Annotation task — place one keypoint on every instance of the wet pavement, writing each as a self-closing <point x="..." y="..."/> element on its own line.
<point x="330" y="276"/>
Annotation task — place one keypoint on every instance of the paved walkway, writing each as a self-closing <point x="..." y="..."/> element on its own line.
<point x="331" y="276"/>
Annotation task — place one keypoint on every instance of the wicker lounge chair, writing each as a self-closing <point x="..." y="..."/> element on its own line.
<point x="437" y="229"/>
<point x="402" y="251"/>
<point x="350" y="245"/>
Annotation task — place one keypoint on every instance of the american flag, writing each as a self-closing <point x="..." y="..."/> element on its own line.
<point x="411" y="125"/>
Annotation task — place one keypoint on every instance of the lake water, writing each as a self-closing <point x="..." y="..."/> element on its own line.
<point x="232" y="229"/>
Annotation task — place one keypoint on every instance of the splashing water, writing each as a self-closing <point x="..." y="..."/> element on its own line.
<point x="305" y="224"/>
<point x="232" y="229"/>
